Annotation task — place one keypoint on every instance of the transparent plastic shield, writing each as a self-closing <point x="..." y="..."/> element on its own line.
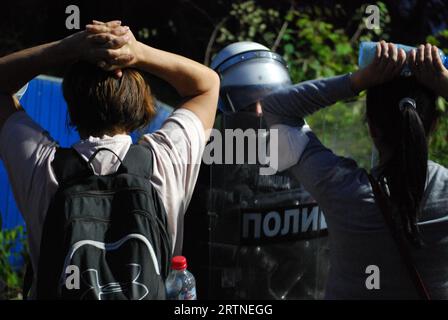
<point x="267" y="238"/>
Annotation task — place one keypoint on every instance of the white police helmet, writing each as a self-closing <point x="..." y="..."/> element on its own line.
<point x="249" y="71"/>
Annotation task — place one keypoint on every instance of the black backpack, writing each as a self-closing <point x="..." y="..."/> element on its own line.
<point x="104" y="237"/>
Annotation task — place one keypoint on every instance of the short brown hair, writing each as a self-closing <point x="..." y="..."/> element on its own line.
<point x="99" y="103"/>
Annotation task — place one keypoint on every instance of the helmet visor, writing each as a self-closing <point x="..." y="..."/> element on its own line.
<point x="238" y="98"/>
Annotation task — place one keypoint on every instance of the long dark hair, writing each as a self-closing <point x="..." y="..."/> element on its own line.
<point x="402" y="113"/>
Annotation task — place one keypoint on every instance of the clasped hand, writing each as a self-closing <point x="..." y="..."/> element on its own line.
<point x="109" y="45"/>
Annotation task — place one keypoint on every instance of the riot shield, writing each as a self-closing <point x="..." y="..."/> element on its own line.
<point x="253" y="236"/>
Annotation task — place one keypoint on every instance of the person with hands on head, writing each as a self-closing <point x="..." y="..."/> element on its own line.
<point x="401" y="114"/>
<point x="176" y="70"/>
<point x="107" y="98"/>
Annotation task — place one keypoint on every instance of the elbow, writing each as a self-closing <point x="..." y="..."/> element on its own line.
<point x="211" y="83"/>
<point x="214" y="80"/>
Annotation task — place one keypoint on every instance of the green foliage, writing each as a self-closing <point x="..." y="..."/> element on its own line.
<point x="438" y="150"/>
<point x="252" y="22"/>
<point x="314" y="48"/>
<point x="10" y="278"/>
<point x="439" y="140"/>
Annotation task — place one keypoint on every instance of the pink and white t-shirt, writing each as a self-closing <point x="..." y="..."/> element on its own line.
<point x="27" y="151"/>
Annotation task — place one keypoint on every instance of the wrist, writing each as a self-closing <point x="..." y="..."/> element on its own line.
<point x="70" y="47"/>
<point x="139" y="54"/>
<point x="357" y="83"/>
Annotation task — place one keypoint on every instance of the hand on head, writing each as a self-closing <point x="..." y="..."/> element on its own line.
<point x="425" y="63"/>
<point x="388" y="62"/>
<point x="427" y="66"/>
<point x="109" y="45"/>
<point x="386" y="65"/>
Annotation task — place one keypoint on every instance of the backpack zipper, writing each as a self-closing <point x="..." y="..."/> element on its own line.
<point x="143" y="213"/>
<point x="95" y="193"/>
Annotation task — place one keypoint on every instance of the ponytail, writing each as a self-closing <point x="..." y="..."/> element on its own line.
<point x="403" y="113"/>
<point x="407" y="169"/>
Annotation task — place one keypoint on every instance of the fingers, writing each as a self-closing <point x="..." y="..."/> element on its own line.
<point x="116" y="66"/>
<point x="428" y="58"/>
<point x="420" y="64"/>
<point x="101" y="38"/>
<point x="378" y="53"/>
<point x="110" y="59"/>
<point x="117" y="42"/>
<point x="105" y="54"/>
<point x="108" y="45"/>
<point x="122" y="60"/>
<point x="109" y="41"/>
<point x="390" y="59"/>
<point x="412" y="60"/>
<point x="401" y="61"/>
<point x="412" y="57"/>
<point x="420" y="59"/>
<point x="97" y="28"/>
<point x="384" y="56"/>
<point x="437" y="60"/>
<point x="394" y="50"/>
<point x="113" y="23"/>
<point x="118" y="73"/>
<point x="395" y="62"/>
<point x="104" y="28"/>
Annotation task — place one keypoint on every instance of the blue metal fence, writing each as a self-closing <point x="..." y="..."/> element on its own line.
<point x="44" y="102"/>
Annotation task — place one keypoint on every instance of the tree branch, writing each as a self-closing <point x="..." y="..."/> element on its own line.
<point x="211" y="41"/>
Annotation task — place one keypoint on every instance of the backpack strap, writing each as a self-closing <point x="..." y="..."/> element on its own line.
<point x="138" y="161"/>
<point x="68" y="164"/>
<point x="400" y="241"/>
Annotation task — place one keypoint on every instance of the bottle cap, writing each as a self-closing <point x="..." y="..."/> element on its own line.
<point x="179" y="263"/>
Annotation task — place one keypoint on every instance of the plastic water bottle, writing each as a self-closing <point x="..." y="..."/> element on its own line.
<point x="367" y="52"/>
<point x="180" y="283"/>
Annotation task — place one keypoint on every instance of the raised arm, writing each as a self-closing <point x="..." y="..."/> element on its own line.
<point x="192" y="80"/>
<point x="289" y="105"/>
<point x="20" y="67"/>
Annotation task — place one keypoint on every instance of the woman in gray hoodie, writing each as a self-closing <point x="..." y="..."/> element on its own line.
<point x="401" y="114"/>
